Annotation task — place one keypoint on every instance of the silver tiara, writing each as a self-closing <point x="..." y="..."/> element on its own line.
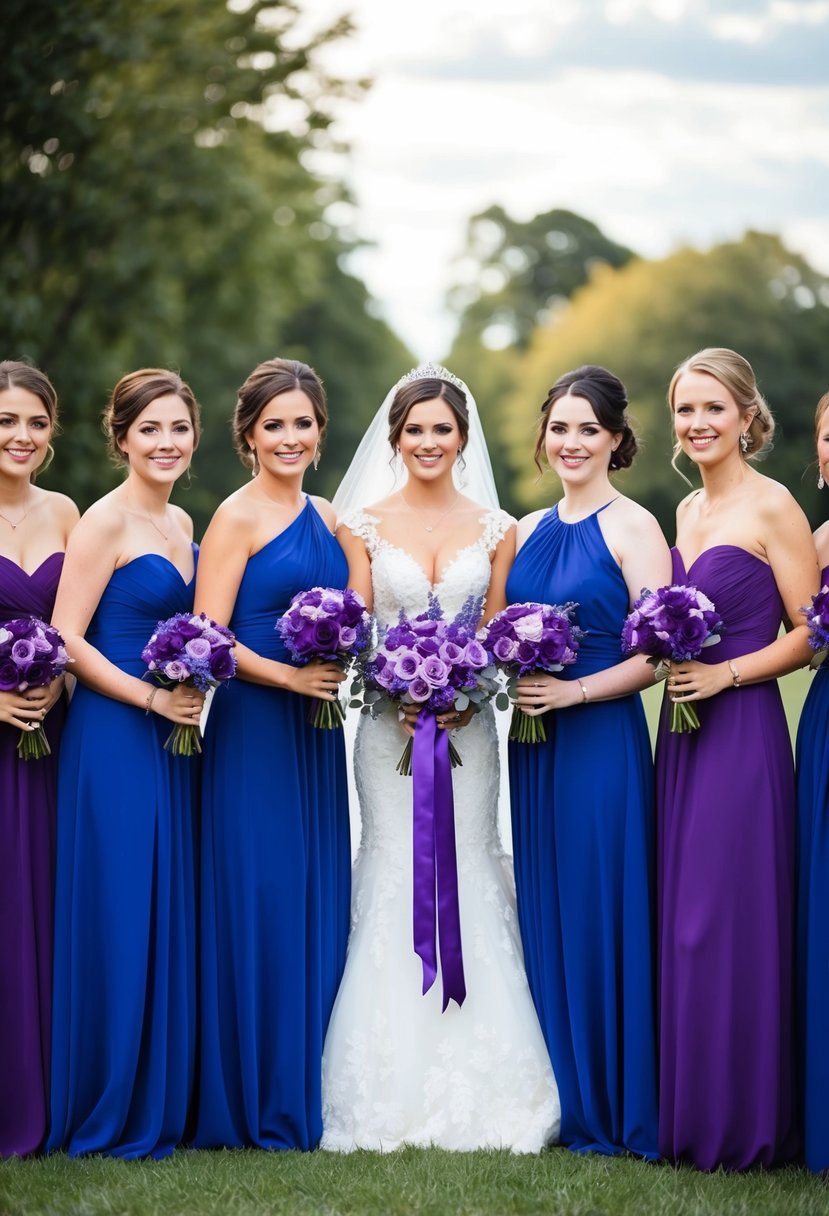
<point x="430" y="371"/>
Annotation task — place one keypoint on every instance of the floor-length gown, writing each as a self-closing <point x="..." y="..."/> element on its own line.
<point x="812" y="966"/>
<point x="27" y="846"/>
<point x="275" y="873"/>
<point x="582" y="826"/>
<point x="123" y="1040"/>
<point x="396" y="1070"/>
<point x="726" y="811"/>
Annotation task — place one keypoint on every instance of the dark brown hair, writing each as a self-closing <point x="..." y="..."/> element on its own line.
<point x="131" y="396"/>
<point x="267" y="381"/>
<point x="14" y="374"/>
<point x="429" y="389"/>
<point x="608" y="399"/>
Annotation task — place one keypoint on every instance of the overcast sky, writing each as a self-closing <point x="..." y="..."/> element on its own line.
<point x="664" y="121"/>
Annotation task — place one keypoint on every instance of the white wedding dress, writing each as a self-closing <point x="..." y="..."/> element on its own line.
<point x="396" y="1070"/>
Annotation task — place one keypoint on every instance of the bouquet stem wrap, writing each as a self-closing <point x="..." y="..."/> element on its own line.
<point x="436" y="910"/>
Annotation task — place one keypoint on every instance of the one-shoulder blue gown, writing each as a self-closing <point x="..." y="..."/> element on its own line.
<point x="123" y="1032"/>
<point x="583" y="839"/>
<point x="276" y="872"/>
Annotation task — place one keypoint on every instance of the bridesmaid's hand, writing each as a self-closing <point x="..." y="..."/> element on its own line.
<point x="54" y="691"/>
<point x="182" y="704"/>
<point x="693" y="681"/>
<point x="316" y="679"/>
<point x="538" y="693"/>
<point x="25" y="710"/>
<point x="453" y="719"/>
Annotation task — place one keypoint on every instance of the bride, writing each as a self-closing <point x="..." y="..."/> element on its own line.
<point x="395" y="1069"/>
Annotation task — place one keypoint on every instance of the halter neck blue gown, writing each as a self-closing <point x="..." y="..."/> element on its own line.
<point x="123" y="1041"/>
<point x="582" y="825"/>
<point x="276" y="873"/>
<point x="27" y="846"/>
<point x="812" y="852"/>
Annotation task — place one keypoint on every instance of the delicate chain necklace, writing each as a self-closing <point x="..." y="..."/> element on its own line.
<point x="439" y="520"/>
<point x="14" y="527"/>
<point x="150" y="520"/>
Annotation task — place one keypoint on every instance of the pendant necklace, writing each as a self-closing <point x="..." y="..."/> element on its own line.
<point x="14" y="527"/>
<point x="150" y="520"/>
<point x="439" y="520"/>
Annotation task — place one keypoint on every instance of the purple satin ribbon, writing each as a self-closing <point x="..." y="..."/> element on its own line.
<point x="434" y="861"/>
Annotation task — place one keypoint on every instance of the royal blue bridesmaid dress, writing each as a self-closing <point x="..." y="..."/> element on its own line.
<point x="812" y="966"/>
<point x="123" y="1043"/>
<point x="725" y="874"/>
<point x="276" y="867"/>
<point x="27" y="846"/>
<point x="582" y="825"/>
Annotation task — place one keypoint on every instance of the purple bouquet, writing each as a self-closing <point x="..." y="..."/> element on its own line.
<point x="32" y="655"/>
<point x="330" y="624"/>
<point x="525" y="638"/>
<point x="817" y="618"/>
<point x="190" y="649"/>
<point x="432" y="663"/>
<point x="672" y="624"/>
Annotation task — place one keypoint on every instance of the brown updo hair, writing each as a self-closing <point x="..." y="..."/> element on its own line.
<point x="822" y="407"/>
<point x="608" y="398"/>
<point x="430" y="388"/>
<point x="131" y="396"/>
<point x="267" y="381"/>
<point x="15" y="373"/>
<point x="737" y="375"/>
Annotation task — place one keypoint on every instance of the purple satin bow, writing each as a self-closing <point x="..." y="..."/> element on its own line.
<point x="434" y="861"/>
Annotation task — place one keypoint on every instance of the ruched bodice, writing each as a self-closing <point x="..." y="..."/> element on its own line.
<point x="138" y="595"/>
<point x="744" y="592"/>
<point x="573" y="562"/>
<point x="277" y="571"/>
<point x="23" y="594"/>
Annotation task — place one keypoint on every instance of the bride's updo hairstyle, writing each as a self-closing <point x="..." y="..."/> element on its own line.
<point x="131" y="396"/>
<point x="428" y="388"/>
<point x="609" y="401"/>
<point x="737" y="375"/>
<point x="265" y="382"/>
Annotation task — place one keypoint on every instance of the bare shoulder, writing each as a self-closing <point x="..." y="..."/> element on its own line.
<point x="183" y="520"/>
<point x="238" y="512"/>
<point x="61" y="507"/>
<point x="771" y="499"/>
<point x="527" y="525"/>
<point x="630" y="517"/>
<point x="325" y="510"/>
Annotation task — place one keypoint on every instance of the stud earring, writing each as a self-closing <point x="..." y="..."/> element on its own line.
<point x="744" y="441"/>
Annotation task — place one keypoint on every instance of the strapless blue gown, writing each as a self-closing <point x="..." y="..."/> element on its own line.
<point x="582" y="826"/>
<point x="123" y="1043"/>
<point x="27" y="846"/>
<point x="725" y="829"/>
<point x="812" y="969"/>
<point x="276" y="868"/>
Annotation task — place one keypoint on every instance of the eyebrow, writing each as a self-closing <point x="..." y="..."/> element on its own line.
<point x="13" y="414"/>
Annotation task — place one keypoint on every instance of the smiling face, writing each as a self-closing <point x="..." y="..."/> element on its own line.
<point x="429" y="440"/>
<point x="160" y="441"/>
<point x="707" y="419"/>
<point x="285" y="435"/>
<point x="822" y="438"/>
<point x="578" y="447"/>
<point x="25" y="430"/>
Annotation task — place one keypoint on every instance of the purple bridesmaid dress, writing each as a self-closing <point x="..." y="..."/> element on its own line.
<point x="725" y="840"/>
<point x="27" y="842"/>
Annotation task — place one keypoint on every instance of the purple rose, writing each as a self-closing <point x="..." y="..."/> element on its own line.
<point x="504" y="649"/>
<point x="406" y="665"/>
<point x="348" y="636"/>
<point x="689" y="637"/>
<point x="325" y="634"/>
<point x="475" y="655"/>
<point x="525" y="653"/>
<point x="197" y="648"/>
<point x="419" y="689"/>
<point x="175" y="670"/>
<point x="222" y="663"/>
<point x="23" y="651"/>
<point x="9" y="676"/>
<point x="435" y="671"/>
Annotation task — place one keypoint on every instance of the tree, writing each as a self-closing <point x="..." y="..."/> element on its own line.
<point x="753" y="295"/>
<point x="159" y="206"/>
<point x="513" y="277"/>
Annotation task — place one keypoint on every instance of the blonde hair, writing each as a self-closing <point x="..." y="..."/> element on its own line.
<point x="737" y="375"/>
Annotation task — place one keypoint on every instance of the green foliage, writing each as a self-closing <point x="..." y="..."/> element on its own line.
<point x="516" y="275"/>
<point x="413" y="1182"/>
<point x="754" y="296"/>
<point x="160" y="207"/>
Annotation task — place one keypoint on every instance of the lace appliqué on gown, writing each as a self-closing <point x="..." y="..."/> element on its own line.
<point x="396" y="1070"/>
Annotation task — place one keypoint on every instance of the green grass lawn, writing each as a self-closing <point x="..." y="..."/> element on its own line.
<point x="424" y="1181"/>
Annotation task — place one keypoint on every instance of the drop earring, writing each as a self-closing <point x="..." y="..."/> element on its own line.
<point x="820" y="482"/>
<point x="744" y="442"/>
<point x="316" y="458"/>
<point x="254" y="468"/>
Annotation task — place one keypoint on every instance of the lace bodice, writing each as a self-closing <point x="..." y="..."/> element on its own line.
<point x="399" y="581"/>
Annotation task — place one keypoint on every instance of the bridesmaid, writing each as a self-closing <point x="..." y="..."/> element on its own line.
<point x="276" y="851"/>
<point x="34" y="526"/>
<point x="124" y="1000"/>
<point x="812" y="852"/>
<point x="582" y="806"/>
<point x="725" y="794"/>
